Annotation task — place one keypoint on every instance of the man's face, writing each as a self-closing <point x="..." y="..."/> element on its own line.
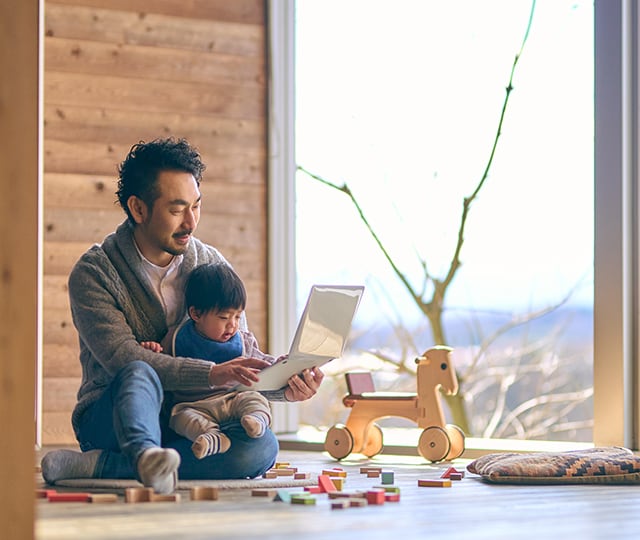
<point x="164" y="230"/>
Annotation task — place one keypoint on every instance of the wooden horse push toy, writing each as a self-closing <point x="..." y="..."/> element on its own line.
<point x="438" y="441"/>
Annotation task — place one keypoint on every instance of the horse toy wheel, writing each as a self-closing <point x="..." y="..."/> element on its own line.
<point x="339" y="441"/>
<point x="373" y="445"/>
<point x="434" y="444"/>
<point x="457" y="437"/>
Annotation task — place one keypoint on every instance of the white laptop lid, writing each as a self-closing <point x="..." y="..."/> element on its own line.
<point x="321" y="335"/>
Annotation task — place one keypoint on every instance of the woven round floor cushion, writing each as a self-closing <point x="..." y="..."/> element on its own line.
<point x="607" y="465"/>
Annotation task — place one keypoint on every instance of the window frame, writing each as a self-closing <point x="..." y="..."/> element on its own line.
<point x="617" y="232"/>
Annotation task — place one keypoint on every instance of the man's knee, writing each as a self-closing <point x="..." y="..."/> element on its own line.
<point x="140" y="373"/>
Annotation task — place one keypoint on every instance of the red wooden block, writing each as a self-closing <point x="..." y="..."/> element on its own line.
<point x="375" y="496"/>
<point x="392" y="497"/>
<point x="69" y="497"/>
<point x="326" y="484"/>
<point x="313" y="489"/>
<point x="447" y="473"/>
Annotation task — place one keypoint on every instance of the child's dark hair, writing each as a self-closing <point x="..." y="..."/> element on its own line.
<point x="215" y="286"/>
<point x="138" y="173"/>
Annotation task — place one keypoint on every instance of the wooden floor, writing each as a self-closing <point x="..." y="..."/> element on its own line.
<point x="470" y="509"/>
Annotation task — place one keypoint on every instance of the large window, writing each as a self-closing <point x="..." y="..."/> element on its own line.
<point x="402" y="102"/>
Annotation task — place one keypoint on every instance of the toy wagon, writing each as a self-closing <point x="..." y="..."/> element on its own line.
<point x="438" y="441"/>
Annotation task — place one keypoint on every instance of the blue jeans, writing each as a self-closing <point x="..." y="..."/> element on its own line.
<point x="126" y="420"/>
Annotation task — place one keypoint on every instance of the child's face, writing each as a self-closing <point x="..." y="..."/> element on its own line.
<point x="217" y="325"/>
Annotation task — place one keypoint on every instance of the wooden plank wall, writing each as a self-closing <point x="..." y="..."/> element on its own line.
<point x="120" y="71"/>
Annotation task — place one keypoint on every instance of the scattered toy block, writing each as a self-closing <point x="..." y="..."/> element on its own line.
<point x="270" y="474"/>
<point x="456" y="476"/>
<point x="56" y="496"/>
<point x="326" y="484"/>
<point x="392" y="497"/>
<point x="356" y="502"/>
<point x="69" y="497"/>
<point x="365" y="470"/>
<point x="448" y="472"/>
<point x="204" y="493"/>
<point x="263" y="492"/>
<point x="44" y="493"/>
<point x="387" y="477"/>
<point x="373" y="474"/>
<point x="301" y="476"/>
<point x="302" y="498"/>
<point x="340" y="473"/>
<point x="282" y="465"/>
<point x="347" y="495"/>
<point x="443" y="482"/>
<point x="339" y="504"/>
<point x="313" y="489"/>
<point x="284" y="471"/>
<point x="375" y="496"/>
<point x="172" y="497"/>
<point x="282" y="495"/>
<point x="339" y="483"/>
<point x="103" y="498"/>
<point x="137" y="495"/>
<point x="389" y="489"/>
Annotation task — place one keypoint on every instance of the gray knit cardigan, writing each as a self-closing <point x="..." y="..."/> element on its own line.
<point x="114" y="308"/>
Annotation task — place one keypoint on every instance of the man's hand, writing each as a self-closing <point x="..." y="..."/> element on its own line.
<point x="239" y="370"/>
<point x="305" y="385"/>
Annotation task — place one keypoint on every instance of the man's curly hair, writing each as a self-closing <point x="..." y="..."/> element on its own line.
<point x="138" y="173"/>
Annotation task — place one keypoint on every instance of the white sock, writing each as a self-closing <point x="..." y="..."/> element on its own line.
<point x="61" y="464"/>
<point x="158" y="469"/>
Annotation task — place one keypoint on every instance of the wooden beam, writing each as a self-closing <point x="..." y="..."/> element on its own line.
<point x="19" y="174"/>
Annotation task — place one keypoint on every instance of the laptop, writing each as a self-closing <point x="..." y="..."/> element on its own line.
<point x="321" y="335"/>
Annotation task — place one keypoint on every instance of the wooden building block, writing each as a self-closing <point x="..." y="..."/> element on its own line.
<point x="263" y="492"/>
<point x="204" y="493"/>
<point x="103" y="498"/>
<point x="456" y="476"/>
<point x="301" y="476"/>
<point x="282" y="495"/>
<point x="392" y="497"/>
<point x="365" y="470"/>
<point x="339" y="504"/>
<point x="373" y="474"/>
<point x="448" y="472"/>
<point x="44" y="493"/>
<point x="302" y="498"/>
<point x="282" y="465"/>
<point x="69" y="497"/>
<point x="270" y="474"/>
<point x="171" y="497"/>
<point x="326" y="484"/>
<point x="443" y="482"/>
<point x="313" y="489"/>
<point x="375" y="496"/>
<point x="386" y="477"/>
<point x="137" y="495"/>
<point x="339" y="483"/>
<point x="357" y="501"/>
<point x="340" y="473"/>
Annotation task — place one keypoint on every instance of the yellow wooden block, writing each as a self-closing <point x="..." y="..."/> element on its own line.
<point x="434" y="483"/>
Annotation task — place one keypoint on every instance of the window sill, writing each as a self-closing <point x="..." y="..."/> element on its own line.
<point x="403" y="441"/>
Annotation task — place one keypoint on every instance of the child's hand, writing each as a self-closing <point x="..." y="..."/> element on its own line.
<point x="152" y="346"/>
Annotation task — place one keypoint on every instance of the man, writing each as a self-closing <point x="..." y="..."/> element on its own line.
<point x="129" y="290"/>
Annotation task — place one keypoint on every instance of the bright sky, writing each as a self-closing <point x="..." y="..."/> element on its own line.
<point x="401" y="100"/>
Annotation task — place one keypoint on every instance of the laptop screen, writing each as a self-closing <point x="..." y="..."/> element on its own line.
<point x="326" y="321"/>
